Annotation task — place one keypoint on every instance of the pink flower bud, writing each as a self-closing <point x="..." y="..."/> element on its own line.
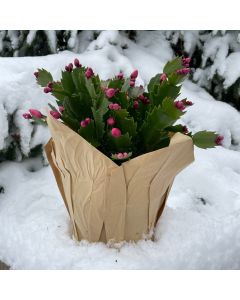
<point x="36" y="74"/>
<point x="55" y="114"/>
<point x="116" y="106"/>
<point x="132" y="83"/>
<point x="185" y="129"/>
<point x="77" y="63"/>
<point x="183" y="71"/>
<point x="116" y="132"/>
<point x="89" y="73"/>
<point x="50" y="85"/>
<point x="219" y="140"/>
<point x="163" y="77"/>
<point x="27" y="116"/>
<point x="179" y="105"/>
<point x="111" y="121"/>
<point x="83" y="123"/>
<point x="61" y="109"/>
<point x="120" y="76"/>
<point x="134" y="74"/>
<point x="189" y="103"/>
<point x="87" y="120"/>
<point x="125" y="154"/>
<point x="186" y="61"/>
<point x="120" y="155"/>
<point x="141" y="97"/>
<point x="47" y="89"/>
<point x="135" y="104"/>
<point x="146" y="101"/>
<point x="36" y="113"/>
<point x="110" y="92"/>
<point x="69" y="67"/>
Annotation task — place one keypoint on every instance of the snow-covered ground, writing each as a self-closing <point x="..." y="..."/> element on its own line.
<point x="199" y="228"/>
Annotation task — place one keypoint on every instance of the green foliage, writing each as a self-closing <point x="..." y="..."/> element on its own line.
<point x="120" y="144"/>
<point x="44" y="77"/>
<point x="146" y="119"/>
<point x="89" y="133"/>
<point x="205" y="139"/>
<point x="172" y="66"/>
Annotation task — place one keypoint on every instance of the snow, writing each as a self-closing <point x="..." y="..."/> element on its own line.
<point x="232" y="72"/>
<point x="199" y="228"/>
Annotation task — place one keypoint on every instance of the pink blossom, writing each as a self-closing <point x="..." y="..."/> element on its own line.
<point x="179" y="105"/>
<point x="135" y="104"/>
<point x="219" y="140"/>
<point x="111" y="121"/>
<point x="47" y="89"/>
<point x="61" y="109"/>
<point x="50" y="85"/>
<point x="70" y="67"/>
<point x="120" y="155"/>
<point x="185" y="129"/>
<point x="77" y="63"/>
<point x="189" y="103"/>
<point x="35" y="113"/>
<point x="146" y="101"/>
<point x="114" y="106"/>
<point x="132" y="83"/>
<point x="83" y="123"/>
<point x="110" y="92"/>
<point x="27" y="116"/>
<point x="134" y="74"/>
<point x="89" y="73"/>
<point x="120" y="75"/>
<point x="116" y="132"/>
<point x="163" y="77"/>
<point x="186" y="61"/>
<point x="183" y="71"/>
<point x="55" y="114"/>
<point x="87" y="121"/>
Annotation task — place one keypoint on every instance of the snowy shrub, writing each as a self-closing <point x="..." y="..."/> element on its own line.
<point x="215" y="54"/>
<point x="43" y="42"/>
<point x="116" y="116"/>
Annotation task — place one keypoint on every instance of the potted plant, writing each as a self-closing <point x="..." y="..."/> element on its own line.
<point x="116" y="147"/>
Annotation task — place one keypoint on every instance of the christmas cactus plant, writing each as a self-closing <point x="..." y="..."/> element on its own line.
<point x="117" y="117"/>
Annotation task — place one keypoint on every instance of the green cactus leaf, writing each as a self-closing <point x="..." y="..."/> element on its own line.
<point x="125" y="122"/>
<point x="89" y="134"/>
<point x="44" y="77"/>
<point x="205" y="139"/>
<point x="172" y="66"/>
<point x="119" y="144"/>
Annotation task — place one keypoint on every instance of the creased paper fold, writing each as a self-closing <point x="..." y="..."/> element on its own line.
<point x="107" y="202"/>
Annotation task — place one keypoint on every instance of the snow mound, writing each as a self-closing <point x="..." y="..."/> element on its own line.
<point x="199" y="228"/>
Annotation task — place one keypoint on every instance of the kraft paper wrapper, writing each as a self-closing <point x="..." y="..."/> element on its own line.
<point x="107" y="202"/>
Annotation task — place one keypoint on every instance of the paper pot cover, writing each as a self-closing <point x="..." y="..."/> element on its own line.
<point x="107" y="202"/>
